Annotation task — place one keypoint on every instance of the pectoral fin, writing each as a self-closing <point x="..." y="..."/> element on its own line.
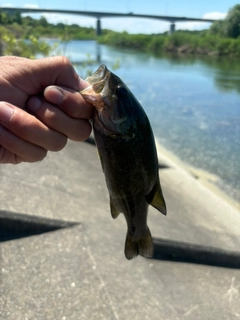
<point x="114" y="212"/>
<point x="155" y="198"/>
<point x="100" y="157"/>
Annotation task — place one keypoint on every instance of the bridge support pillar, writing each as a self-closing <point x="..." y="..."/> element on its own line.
<point x="98" y="27"/>
<point x="172" y="28"/>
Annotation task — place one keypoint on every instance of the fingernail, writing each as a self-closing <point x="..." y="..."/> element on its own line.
<point x="6" y="112"/>
<point x="33" y="104"/>
<point x="54" y="94"/>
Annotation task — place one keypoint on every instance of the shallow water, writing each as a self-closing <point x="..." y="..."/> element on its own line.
<point x="193" y="103"/>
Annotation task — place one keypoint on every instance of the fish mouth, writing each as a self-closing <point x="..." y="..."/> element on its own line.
<point x="98" y="87"/>
<point x="99" y="81"/>
<point x="101" y="94"/>
<point x="98" y="75"/>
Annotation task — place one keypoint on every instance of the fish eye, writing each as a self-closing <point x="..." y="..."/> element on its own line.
<point x="121" y="91"/>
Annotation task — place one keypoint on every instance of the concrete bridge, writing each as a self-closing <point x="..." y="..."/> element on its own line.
<point x="99" y="15"/>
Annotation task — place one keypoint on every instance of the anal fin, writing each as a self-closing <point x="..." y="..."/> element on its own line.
<point x="155" y="198"/>
<point x="114" y="212"/>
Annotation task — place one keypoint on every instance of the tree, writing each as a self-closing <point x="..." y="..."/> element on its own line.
<point x="231" y="25"/>
<point x="17" y="17"/>
<point x="29" y="21"/>
<point x="217" y="27"/>
<point x="43" y="22"/>
<point x="4" y="18"/>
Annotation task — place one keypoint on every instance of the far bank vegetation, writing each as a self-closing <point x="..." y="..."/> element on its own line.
<point x="222" y="38"/>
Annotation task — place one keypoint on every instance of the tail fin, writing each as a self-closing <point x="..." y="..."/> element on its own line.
<point x="143" y="246"/>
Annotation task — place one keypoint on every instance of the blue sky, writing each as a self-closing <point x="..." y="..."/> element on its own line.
<point x="212" y="9"/>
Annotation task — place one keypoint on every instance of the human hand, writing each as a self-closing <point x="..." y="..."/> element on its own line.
<point x="57" y="112"/>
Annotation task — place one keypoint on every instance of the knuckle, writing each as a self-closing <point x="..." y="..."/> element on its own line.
<point x="52" y="118"/>
<point x="63" y="61"/>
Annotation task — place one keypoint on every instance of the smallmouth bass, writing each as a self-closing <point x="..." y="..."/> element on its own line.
<point x="128" y="156"/>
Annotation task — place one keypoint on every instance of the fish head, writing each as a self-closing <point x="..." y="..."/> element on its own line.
<point x="116" y="107"/>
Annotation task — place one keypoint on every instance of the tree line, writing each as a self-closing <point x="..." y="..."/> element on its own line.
<point x="222" y="38"/>
<point x="25" y="27"/>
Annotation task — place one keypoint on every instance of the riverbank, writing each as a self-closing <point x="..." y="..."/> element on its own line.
<point x="207" y="179"/>
<point x="200" y="43"/>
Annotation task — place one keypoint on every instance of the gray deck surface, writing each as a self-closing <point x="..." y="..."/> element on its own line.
<point x="78" y="271"/>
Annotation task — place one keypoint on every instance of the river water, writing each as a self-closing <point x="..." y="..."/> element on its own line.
<point x="193" y="103"/>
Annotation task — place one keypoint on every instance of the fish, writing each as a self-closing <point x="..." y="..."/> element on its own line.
<point x="128" y="156"/>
